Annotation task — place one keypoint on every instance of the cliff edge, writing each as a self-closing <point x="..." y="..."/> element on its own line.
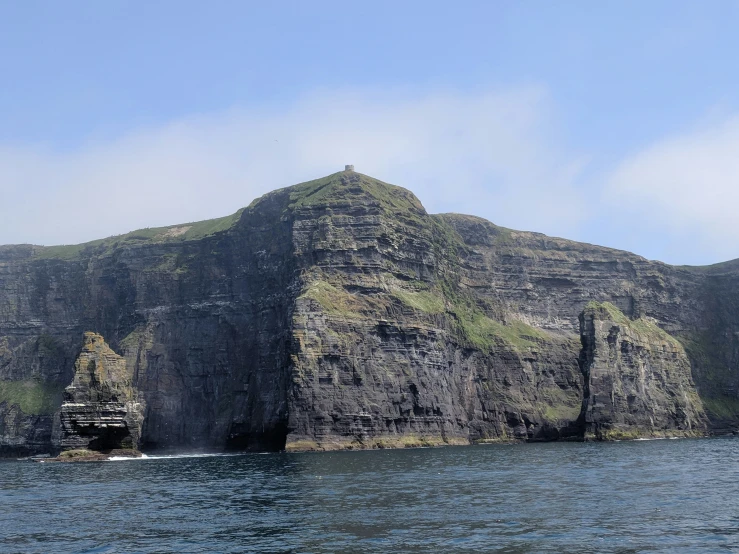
<point x="338" y="313"/>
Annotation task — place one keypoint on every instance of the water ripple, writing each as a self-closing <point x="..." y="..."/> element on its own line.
<point x="647" y="496"/>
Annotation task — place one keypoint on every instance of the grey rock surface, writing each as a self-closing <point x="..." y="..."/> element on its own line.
<point x="101" y="409"/>
<point x="637" y="379"/>
<point x="339" y="314"/>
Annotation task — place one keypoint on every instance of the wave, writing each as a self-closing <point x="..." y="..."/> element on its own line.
<point x="174" y="456"/>
<point x="658" y="438"/>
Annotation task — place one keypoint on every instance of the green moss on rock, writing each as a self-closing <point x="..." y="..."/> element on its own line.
<point x="642" y="327"/>
<point x="424" y="301"/>
<point x="486" y="333"/>
<point x="32" y="397"/>
<point x="335" y="300"/>
<point x="342" y="188"/>
<point x="723" y="407"/>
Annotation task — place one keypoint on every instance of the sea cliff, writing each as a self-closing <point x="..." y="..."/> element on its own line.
<point x="338" y="314"/>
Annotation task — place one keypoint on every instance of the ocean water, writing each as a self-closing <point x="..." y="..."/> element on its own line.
<point x="644" y="496"/>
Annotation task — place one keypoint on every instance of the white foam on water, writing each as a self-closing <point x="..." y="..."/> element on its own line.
<point x="173" y="456"/>
<point x="122" y="458"/>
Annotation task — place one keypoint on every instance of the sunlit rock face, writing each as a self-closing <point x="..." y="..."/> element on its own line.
<point x="637" y="379"/>
<point x="101" y="409"/>
<point x="339" y="314"/>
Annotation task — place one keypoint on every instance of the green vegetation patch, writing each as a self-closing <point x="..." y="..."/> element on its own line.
<point x="78" y="453"/>
<point x="486" y="333"/>
<point x="555" y="413"/>
<point x="423" y="301"/>
<point x="500" y="235"/>
<point x="621" y="434"/>
<point x="302" y="446"/>
<point x="320" y="191"/>
<point x="171" y="233"/>
<point x="210" y="227"/>
<point x="475" y="327"/>
<point x="32" y="397"/>
<point x="723" y="407"/>
<point x="447" y="241"/>
<point x="66" y="251"/>
<point x="711" y="367"/>
<point x="336" y="301"/>
<point x="132" y="340"/>
<point x="346" y="189"/>
<point x="559" y="405"/>
<point x="381" y="442"/>
<point x="642" y="326"/>
<point x="617" y="434"/>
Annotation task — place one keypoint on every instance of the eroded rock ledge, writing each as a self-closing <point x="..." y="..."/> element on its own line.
<point x="338" y="313"/>
<point x="101" y="409"/>
<point x="637" y="379"/>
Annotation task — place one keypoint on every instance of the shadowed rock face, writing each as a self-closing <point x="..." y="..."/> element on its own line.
<point x="101" y="409"/>
<point x="339" y="314"/>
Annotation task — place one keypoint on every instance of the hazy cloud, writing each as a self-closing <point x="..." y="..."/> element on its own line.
<point x="687" y="188"/>
<point x="491" y="154"/>
<point x="499" y="155"/>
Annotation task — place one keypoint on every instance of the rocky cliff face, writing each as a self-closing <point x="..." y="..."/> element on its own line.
<point x="548" y="281"/>
<point x="391" y="344"/>
<point x="339" y="314"/>
<point x="637" y="379"/>
<point x="101" y="409"/>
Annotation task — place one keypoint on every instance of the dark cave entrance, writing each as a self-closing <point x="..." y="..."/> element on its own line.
<point x="270" y="440"/>
<point x="111" y="439"/>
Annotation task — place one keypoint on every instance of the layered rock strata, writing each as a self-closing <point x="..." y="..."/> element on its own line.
<point x="339" y="314"/>
<point x="637" y="379"/>
<point x="101" y="409"/>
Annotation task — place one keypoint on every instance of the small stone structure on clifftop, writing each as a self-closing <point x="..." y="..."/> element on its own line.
<point x="348" y="168"/>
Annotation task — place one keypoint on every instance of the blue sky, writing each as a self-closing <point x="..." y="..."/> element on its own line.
<point x="615" y="123"/>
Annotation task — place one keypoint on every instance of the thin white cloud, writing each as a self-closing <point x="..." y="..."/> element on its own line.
<point x="687" y="188"/>
<point x="491" y="154"/>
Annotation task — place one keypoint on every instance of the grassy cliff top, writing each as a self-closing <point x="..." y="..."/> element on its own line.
<point x="721" y="268"/>
<point x="478" y="231"/>
<point x="150" y="235"/>
<point x="342" y="189"/>
<point x="345" y="189"/>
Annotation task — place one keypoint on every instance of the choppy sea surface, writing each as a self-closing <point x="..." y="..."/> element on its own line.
<point x="643" y="496"/>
